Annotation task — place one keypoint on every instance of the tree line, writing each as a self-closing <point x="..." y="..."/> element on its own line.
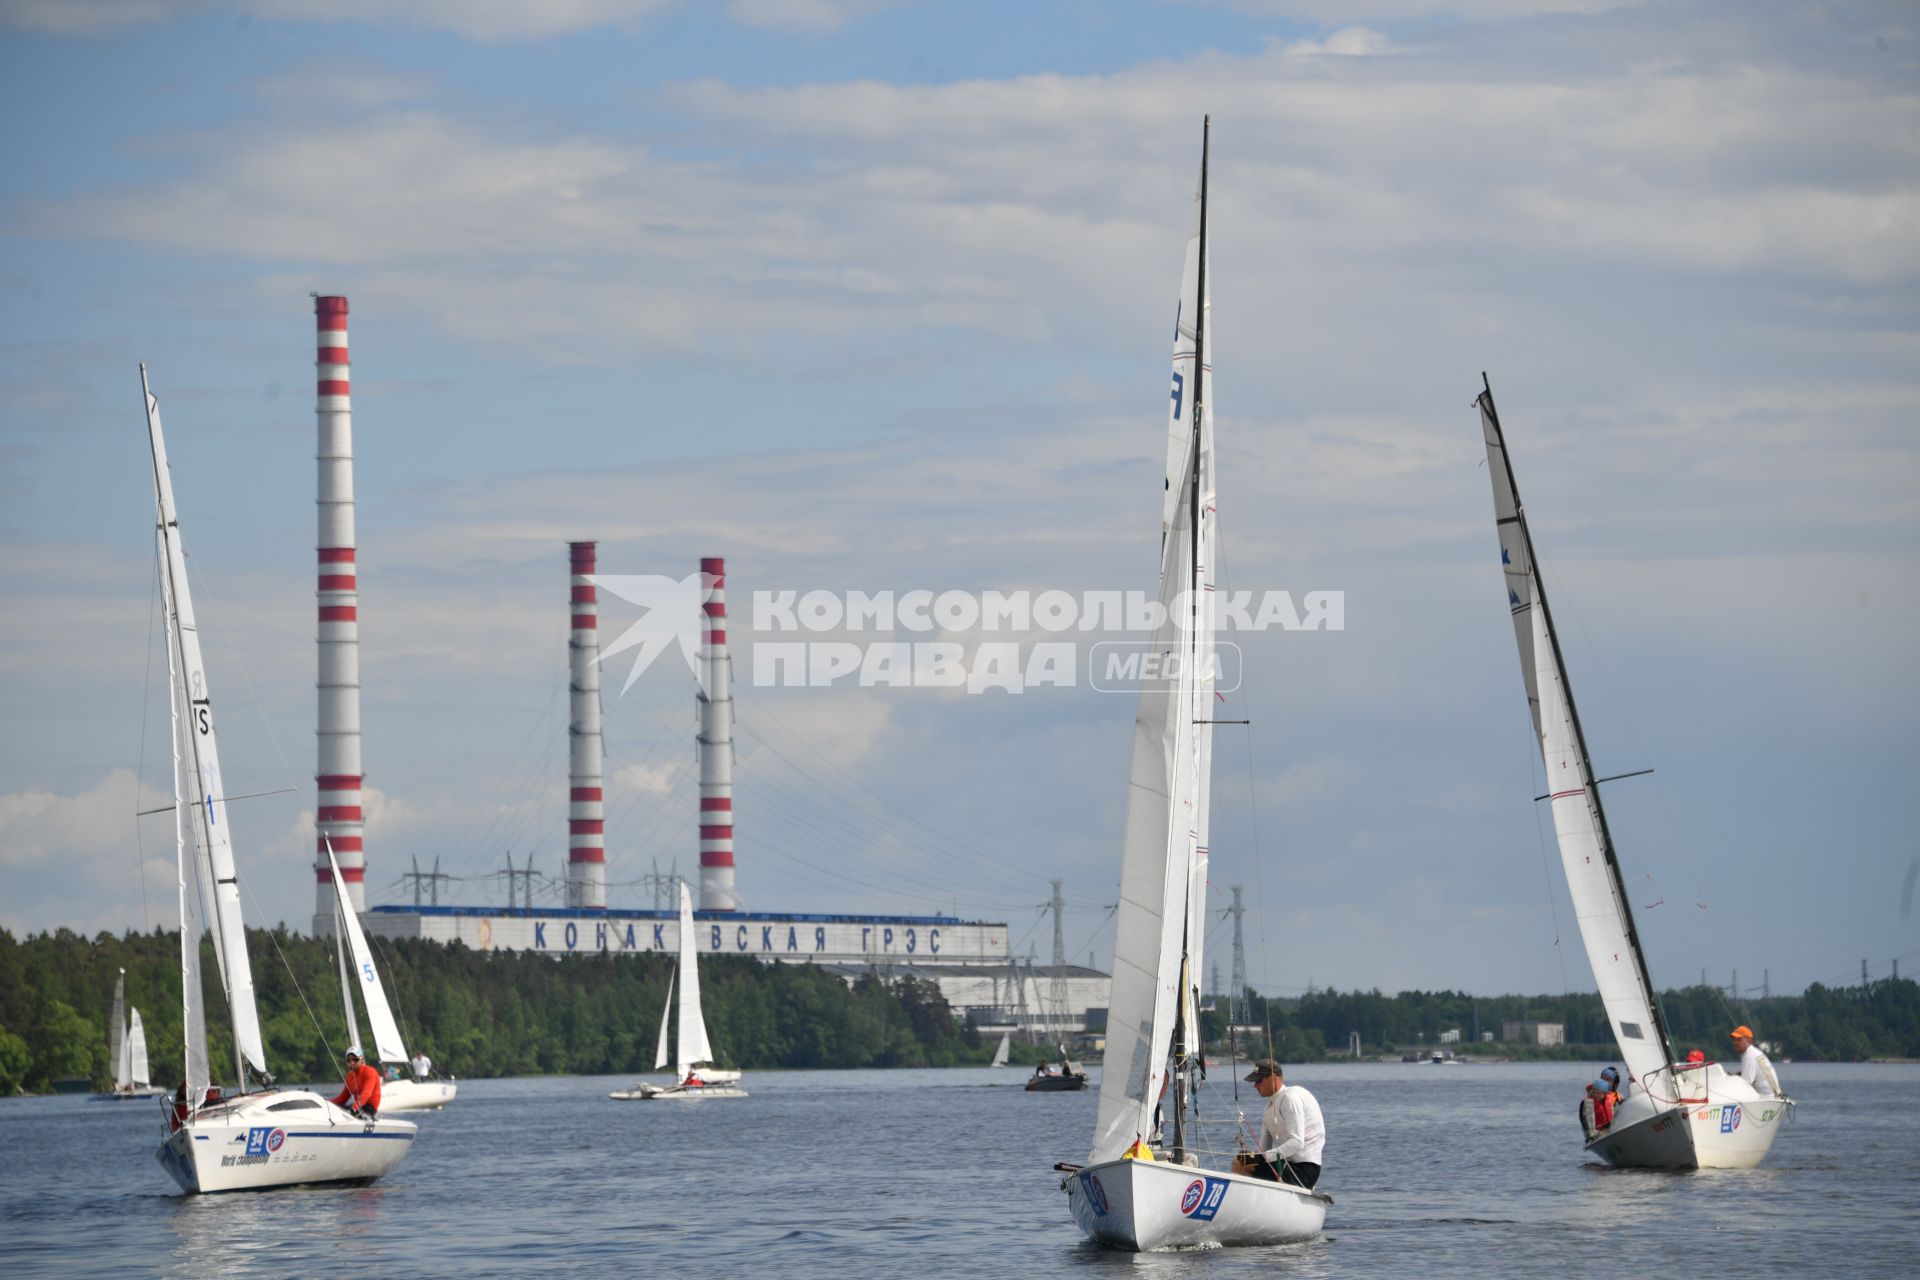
<point x="1880" y="1019"/>
<point x="501" y="1013"/>
<point x="476" y="1013"/>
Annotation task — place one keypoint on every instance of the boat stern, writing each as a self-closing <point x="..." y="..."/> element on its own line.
<point x="1149" y="1205"/>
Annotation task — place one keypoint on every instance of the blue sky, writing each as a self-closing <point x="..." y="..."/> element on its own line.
<point x="869" y="295"/>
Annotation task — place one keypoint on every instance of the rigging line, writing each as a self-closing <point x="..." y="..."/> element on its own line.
<point x="246" y="677"/>
<point x="938" y="834"/>
<point x="881" y="836"/>
<point x="140" y="770"/>
<point x="285" y="963"/>
<point x="826" y="845"/>
<point x="882" y="840"/>
<point x="1546" y="856"/>
<point x="1679" y="850"/>
<point x="837" y="820"/>
<point x="467" y="829"/>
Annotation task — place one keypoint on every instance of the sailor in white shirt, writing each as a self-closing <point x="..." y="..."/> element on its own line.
<point x="422" y="1065"/>
<point x="1754" y="1067"/>
<point x="1292" y="1133"/>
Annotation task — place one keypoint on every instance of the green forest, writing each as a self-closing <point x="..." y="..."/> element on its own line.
<point x="1827" y="1024"/>
<point x="514" y="1013"/>
<point x="475" y="1013"/>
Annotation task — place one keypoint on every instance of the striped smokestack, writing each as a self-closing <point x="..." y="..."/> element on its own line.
<point x="716" y="745"/>
<point x="586" y="813"/>
<point x="337" y="814"/>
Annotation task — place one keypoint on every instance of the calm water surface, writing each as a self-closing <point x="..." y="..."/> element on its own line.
<point x="936" y="1173"/>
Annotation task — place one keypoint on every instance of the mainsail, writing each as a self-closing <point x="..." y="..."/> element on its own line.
<point x="200" y="806"/>
<point x="386" y="1032"/>
<point x="137" y="1073"/>
<point x="1160" y="918"/>
<point x="117" y="1046"/>
<point x="692" y="1043"/>
<point x="660" y="1058"/>
<point x="1586" y="851"/>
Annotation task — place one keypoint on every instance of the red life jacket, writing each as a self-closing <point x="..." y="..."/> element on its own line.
<point x="1603" y="1109"/>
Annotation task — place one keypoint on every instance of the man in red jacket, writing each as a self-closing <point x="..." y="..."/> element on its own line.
<point x="361" y="1094"/>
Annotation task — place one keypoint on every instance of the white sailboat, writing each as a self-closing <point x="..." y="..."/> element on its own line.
<point x="404" y="1093"/>
<point x="1170" y="1201"/>
<point x="257" y="1137"/>
<point x="127" y="1046"/>
<point x="1005" y="1051"/>
<point x="694" y="1075"/>
<point x="1674" y="1115"/>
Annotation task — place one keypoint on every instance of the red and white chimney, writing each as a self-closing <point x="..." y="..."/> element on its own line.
<point x="337" y="813"/>
<point x="716" y="745"/>
<point x="586" y="810"/>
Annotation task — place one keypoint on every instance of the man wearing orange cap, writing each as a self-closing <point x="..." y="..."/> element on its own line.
<point x="1754" y="1067"/>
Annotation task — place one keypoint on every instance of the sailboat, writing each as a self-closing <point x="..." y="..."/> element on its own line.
<point x="694" y="1075"/>
<point x="1135" y="1192"/>
<point x="402" y="1094"/>
<point x="257" y="1136"/>
<point x="1675" y="1115"/>
<point x="127" y="1046"/>
<point x="1001" y="1054"/>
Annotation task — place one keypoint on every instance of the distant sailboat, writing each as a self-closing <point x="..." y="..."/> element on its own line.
<point x="256" y="1137"/>
<point x="127" y="1046"/>
<point x="1681" y="1115"/>
<point x="694" y="1075"/>
<point x="402" y="1094"/>
<point x="1001" y="1054"/>
<point x="1164" y="1199"/>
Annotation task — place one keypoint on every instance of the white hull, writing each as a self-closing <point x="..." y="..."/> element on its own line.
<point x="133" y="1091"/>
<point x="1151" y="1205"/>
<point x="281" y="1139"/>
<point x="651" y="1092"/>
<point x="1726" y="1126"/>
<point x="416" y="1095"/>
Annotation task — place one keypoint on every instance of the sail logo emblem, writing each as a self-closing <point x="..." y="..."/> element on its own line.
<point x="265" y="1141"/>
<point x="1730" y="1117"/>
<point x="1202" y="1198"/>
<point x="1096" y="1194"/>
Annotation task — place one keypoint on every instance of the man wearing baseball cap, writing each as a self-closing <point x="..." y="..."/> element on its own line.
<point x="1754" y="1067"/>
<point x="361" y="1095"/>
<point x="1292" y="1132"/>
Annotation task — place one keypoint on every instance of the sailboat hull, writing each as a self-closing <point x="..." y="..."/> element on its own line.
<point x="663" y="1092"/>
<point x="1149" y="1205"/>
<point x="1728" y="1126"/>
<point x="132" y="1091"/>
<point x="416" y="1095"/>
<point x="281" y="1139"/>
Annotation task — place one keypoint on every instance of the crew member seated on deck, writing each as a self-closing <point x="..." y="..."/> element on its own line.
<point x="361" y="1093"/>
<point x="1293" y="1134"/>
<point x="1606" y="1098"/>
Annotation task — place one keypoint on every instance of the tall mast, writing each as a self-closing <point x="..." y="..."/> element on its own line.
<point x="214" y="870"/>
<point x="1579" y="735"/>
<point x="1181" y="1031"/>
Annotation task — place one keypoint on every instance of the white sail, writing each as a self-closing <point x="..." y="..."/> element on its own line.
<point x="117" y="1047"/>
<point x="1194" y="325"/>
<point x="346" y="978"/>
<point x="692" y="1043"/>
<point x="200" y="799"/>
<point x="138" y="1074"/>
<point x="386" y="1032"/>
<point x="1605" y="918"/>
<point x="1001" y="1054"/>
<point x="1160" y="922"/>
<point x="1155" y="874"/>
<point x="660" y="1058"/>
